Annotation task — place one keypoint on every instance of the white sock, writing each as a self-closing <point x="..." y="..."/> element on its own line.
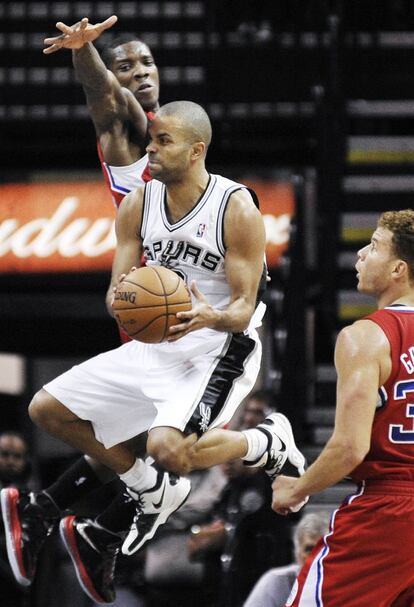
<point x="140" y="476"/>
<point x="256" y="444"/>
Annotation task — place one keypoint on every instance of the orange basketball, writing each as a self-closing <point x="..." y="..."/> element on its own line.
<point x="147" y="300"/>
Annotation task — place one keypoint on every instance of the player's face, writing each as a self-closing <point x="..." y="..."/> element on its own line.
<point x="12" y="457"/>
<point x="375" y="263"/>
<point x="254" y="412"/>
<point x="169" y="150"/>
<point x="134" y="67"/>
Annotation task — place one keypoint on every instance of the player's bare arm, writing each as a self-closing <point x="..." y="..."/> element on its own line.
<point x="110" y="105"/>
<point x="362" y="362"/>
<point x="129" y="244"/>
<point x="244" y="238"/>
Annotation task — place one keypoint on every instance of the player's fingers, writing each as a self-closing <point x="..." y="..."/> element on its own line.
<point x="84" y="23"/>
<point x="63" y="27"/>
<point x="189" y="315"/>
<point x="54" y="39"/>
<point x="51" y="49"/>
<point x="108" y="23"/>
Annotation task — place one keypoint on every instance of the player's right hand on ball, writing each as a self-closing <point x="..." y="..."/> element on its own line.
<point x="115" y="287"/>
<point x="76" y="36"/>
<point x="201" y="315"/>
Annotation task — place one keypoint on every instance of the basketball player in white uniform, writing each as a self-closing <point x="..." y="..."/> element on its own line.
<point x="184" y="390"/>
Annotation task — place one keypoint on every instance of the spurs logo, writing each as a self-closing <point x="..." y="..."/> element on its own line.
<point x="205" y="412"/>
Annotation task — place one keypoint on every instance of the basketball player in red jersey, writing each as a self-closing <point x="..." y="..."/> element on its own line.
<point x="367" y="558"/>
<point x="121" y="88"/>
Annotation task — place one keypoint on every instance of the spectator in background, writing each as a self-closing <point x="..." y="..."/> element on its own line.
<point x="273" y="588"/>
<point x="15" y="471"/>
<point x="15" y="467"/>
<point x="257" y="406"/>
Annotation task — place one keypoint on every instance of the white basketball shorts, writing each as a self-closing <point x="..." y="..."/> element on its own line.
<point x="193" y="384"/>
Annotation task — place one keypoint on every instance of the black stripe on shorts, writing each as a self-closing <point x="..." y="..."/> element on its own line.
<point x="228" y="369"/>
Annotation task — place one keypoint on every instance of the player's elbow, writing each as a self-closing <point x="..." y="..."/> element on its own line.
<point x="172" y="455"/>
<point x="243" y="320"/>
<point x="350" y="451"/>
<point x="355" y="454"/>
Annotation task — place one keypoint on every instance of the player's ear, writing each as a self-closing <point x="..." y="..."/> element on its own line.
<point x="198" y="150"/>
<point x="400" y="268"/>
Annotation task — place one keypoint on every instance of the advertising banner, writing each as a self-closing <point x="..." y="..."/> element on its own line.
<point x="69" y="226"/>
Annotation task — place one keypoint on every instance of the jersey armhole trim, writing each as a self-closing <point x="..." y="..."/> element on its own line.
<point x="145" y="209"/>
<point x="222" y="209"/>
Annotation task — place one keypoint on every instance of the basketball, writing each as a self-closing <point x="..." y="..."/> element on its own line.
<point x="147" y="300"/>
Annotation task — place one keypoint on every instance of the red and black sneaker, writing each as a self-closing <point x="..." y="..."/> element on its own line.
<point x="93" y="551"/>
<point x="27" y="523"/>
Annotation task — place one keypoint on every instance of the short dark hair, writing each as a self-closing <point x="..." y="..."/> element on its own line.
<point x="401" y="224"/>
<point x="107" y="51"/>
<point x="193" y="117"/>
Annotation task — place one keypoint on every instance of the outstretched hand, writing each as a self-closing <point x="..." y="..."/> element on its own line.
<point x="201" y="315"/>
<point x="76" y="36"/>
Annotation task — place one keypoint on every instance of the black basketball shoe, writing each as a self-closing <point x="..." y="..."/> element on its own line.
<point x="28" y="519"/>
<point x="94" y="552"/>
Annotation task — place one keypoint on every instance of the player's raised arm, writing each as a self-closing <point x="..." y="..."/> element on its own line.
<point x="108" y="102"/>
<point x="129" y="245"/>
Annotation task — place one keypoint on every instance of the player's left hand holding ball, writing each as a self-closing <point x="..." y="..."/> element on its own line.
<point x="201" y="315"/>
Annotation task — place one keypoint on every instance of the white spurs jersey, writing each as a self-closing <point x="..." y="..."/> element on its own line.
<point x="193" y="246"/>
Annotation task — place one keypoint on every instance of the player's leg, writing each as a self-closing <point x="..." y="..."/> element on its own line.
<point x="206" y="395"/>
<point x="59" y="421"/>
<point x="92" y="389"/>
<point x="270" y="446"/>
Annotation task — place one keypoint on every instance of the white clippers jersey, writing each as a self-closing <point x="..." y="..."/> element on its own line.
<point x="193" y="247"/>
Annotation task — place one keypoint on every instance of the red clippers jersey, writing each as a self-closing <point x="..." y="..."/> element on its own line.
<point x="391" y="455"/>
<point x="121" y="180"/>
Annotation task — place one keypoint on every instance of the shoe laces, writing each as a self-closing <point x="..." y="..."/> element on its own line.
<point x="139" y="506"/>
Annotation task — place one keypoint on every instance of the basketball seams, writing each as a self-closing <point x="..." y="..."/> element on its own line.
<point x="161" y="305"/>
<point x="150" y="323"/>
<point x="166" y="294"/>
<point x="156" y="286"/>
<point x="156" y="293"/>
<point x="166" y="325"/>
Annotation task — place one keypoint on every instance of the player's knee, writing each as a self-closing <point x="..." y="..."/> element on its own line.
<point x="170" y="457"/>
<point x="166" y="458"/>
